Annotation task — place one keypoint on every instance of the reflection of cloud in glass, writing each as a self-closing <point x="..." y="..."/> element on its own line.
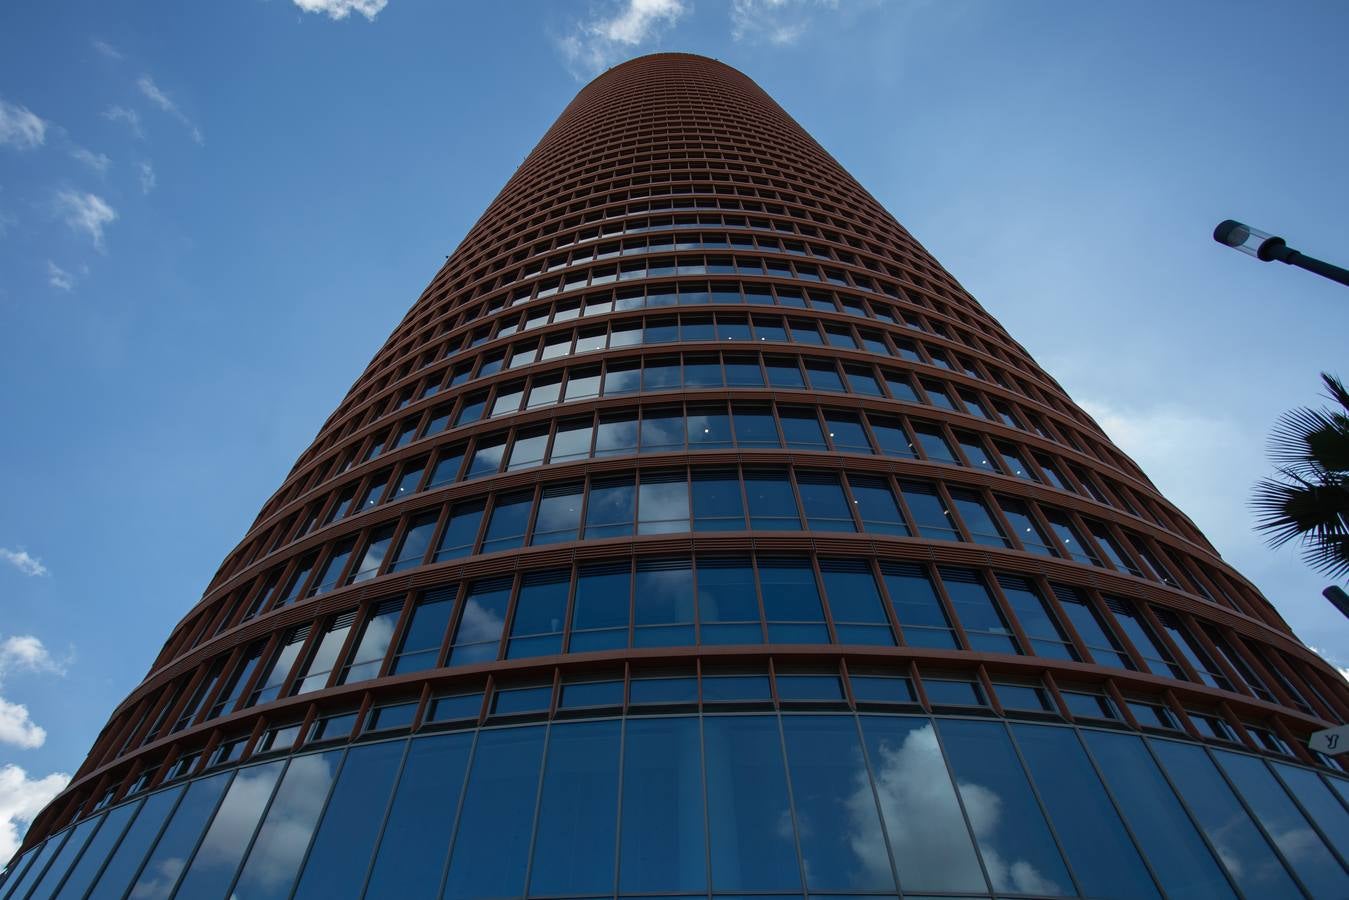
<point x="378" y="635"/>
<point x="290" y="822"/>
<point x="166" y="872"/>
<point x="233" y="824"/>
<point x="479" y="623"/>
<point x="927" y="832"/>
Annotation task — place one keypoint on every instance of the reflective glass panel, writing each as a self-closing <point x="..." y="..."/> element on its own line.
<point x="175" y="843"/>
<point x="269" y="871"/>
<point x="662" y="844"/>
<point x="126" y="860"/>
<point x="578" y="809"/>
<point x="218" y="857"/>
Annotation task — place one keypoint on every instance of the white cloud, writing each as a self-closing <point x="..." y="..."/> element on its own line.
<point x="340" y="9"/>
<point x="779" y="22"/>
<point x="20" y="127"/>
<point x="62" y="280"/>
<point x="165" y="102"/>
<point x="106" y="49"/>
<point x="17" y="728"/>
<point x="22" y="798"/>
<point x="596" y="44"/>
<point x="129" y="116"/>
<point x="21" y="560"/>
<point x="99" y="162"/>
<point x="22" y="653"/>
<point x="147" y="173"/>
<point x="86" y="212"/>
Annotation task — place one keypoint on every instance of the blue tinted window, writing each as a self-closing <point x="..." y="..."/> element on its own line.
<point x="1090" y="628"/>
<point x="662" y="846"/>
<point x="341" y="852"/>
<point x="1321" y="805"/>
<point x="580" y="694"/>
<point x="178" y="838"/>
<point x="1019" y="851"/>
<point x="559" y="517"/>
<point x="934" y="444"/>
<point x="891" y="436"/>
<point x="801" y="428"/>
<point x="411" y="855"/>
<point x="772" y="504"/>
<point x="40" y="859"/>
<point x="929" y="511"/>
<point x="846" y="432"/>
<point x="461" y="532"/>
<point x="125" y="862"/>
<point x="709" y="428"/>
<point x="978" y="520"/>
<point x="83" y="873"/>
<point x="827" y="509"/>
<point x="1030" y="609"/>
<point x="664" y="603"/>
<point x="1131" y="621"/>
<point x="922" y="618"/>
<point x="929" y="841"/>
<point x="875" y="503"/>
<point x="482" y="621"/>
<point x="784" y="373"/>
<point x="974" y="606"/>
<point x="1098" y="848"/>
<point x="616" y="434"/>
<point x="662" y="431"/>
<point x="218" y="857"/>
<point x="271" y="866"/>
<point x="1241" y="847"/>
<point x="372" y="645"/>
<point x="728" y="607"/>
<point x="717" y="503"/>
<point x="599" y="618"/>
<point x="491" y="846"/>
<point x="663" y="504"/>
<point x="510" y="518"/>
<point x="754" y="427"/>
<point x="792" y="602"/>
<point x="609" y="511"/>
<point x="751" y="836"/>
<point x="859" y="615"/>
<point x="78" y="837"/>
<point x="578" y="810"/>
<point x="540" y="611"/>
<point x="420" y="647"/>
<point x="843" y="845"/>
<point x="1165" y="833"/>
<point x="415" y="542"/>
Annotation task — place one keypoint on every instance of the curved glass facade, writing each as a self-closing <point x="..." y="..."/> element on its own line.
<point x="668" y="800"/>
<point x="696" y="534"/>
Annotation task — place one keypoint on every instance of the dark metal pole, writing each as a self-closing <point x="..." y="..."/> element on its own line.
<point x="1267" y="248"/>
<point x="1337" y="596"/>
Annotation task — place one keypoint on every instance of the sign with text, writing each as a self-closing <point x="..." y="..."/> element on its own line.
<point x="1331" y="741"/>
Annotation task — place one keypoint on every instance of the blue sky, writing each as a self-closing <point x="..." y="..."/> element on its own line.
<point x="212" y="214"/>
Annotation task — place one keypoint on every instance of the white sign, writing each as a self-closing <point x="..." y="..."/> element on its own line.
<point x="1331" y="741"/>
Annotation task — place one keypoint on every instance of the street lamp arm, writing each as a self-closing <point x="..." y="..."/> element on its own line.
<point x="1268" y="248"/>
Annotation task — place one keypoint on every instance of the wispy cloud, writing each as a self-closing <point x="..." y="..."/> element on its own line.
<point x="340" y="9"/>
<point x="62" y="280"/>
<point x="22" y="798"/>
<point x="23" y="653"/>
<point x="130" y="117"/>
<point x="779" y="22"/>
<point x="99" y="162"/>
<point x="20" y="127"/>
<point x="147" y="173"/>
<point x="106" y="49"/>
<point x="86" y="212"/>
<point x="23" y="561"/>
<point x="597" y="43"/>
<point x="157" y="96"/>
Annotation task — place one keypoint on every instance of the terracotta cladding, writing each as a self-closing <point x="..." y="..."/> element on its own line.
<point x="682" y="303"/>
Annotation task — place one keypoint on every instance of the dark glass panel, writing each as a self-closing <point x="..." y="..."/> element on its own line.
<point x="100" y="845"/>
<point x="70" y="849"/>
<point x="1322" y="806"/>
<point x="929" y="842"/>
<point x="599" y="619"/>
<point x="415" y="542"/>
<point x="1089" y="829"/>
<point x="1241" y="847"/>
<point x="125" y="861"/>
<point x="165" y="863"/>
<point x="975" y="608"/>
<point x="709" y="428"/>
<point x="929" y="512"/>
<point x="663" y="503"/>
<point x="341" y="850"/>
<point x="978" y="520"/>
<point x="772" y="503"/>
<point x="751" y="835"/>
<point x="754" y="427"/>
<point x="461" y="532"/>
<point x="792" y="602"/>
<point x="559" y="517"/>
<point x="840" y="828"/>
<point x="540" y="611"/>
<point x="1046" y="636"/>
<point x="372" y="645"/>
<point x="509" y="519"/>
<point x="922" y="618"/>
<point x="216" y="860"/>
<point x="875" y="503"/>
<point x="271" y="866"/>
<point x="610" y="508"/>
<point x="662" y="845"/>
<point x="826" y="507"/>
<point x="1168" y="838"/>
<point x="663" y="612"/>
<point x="717" y="502"/>
<point x="728" y="606"/>
<point x="1019" y="850"/>
<point x="420" y="647"/>
<point x="801" y="428"/>
<point x="411" y="854"/>
<point x="491" y="845"/>
<point x="859" y="615"/>
<point x="578" y="810"/>
<point x="484" y="616"/>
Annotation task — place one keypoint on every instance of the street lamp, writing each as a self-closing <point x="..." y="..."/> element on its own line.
<point x="1268" y="247"/>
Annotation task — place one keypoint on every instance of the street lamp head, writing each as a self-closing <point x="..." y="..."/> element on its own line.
<point x="1240" y="237"/>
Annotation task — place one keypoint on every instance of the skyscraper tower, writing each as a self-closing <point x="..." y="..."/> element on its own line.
<point x="696" y="534"/>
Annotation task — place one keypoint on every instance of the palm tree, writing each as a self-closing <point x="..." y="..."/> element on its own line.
<point x="1308" y="499"/>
